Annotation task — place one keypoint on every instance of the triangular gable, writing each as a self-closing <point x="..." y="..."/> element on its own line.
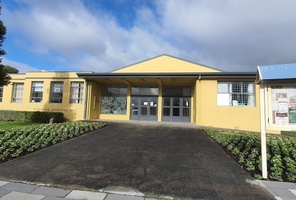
<point x="165" y="64"/>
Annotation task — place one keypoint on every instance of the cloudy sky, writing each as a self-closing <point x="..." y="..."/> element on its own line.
<point x="100" y="36"/>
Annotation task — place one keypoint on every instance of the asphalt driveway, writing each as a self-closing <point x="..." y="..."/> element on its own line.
<point x="157" y="159"/>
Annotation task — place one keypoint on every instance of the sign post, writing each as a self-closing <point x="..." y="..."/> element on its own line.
<point x="263" y="131"/>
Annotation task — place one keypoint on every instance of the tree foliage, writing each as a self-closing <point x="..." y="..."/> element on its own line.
<point x="4" y="77"/>
<point x="2" y="34"/>
<point x="10" y="69"/>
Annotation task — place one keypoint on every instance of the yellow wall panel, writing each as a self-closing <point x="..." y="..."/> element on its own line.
<point x="231" y="117"/>
<point x="71" y="111"/>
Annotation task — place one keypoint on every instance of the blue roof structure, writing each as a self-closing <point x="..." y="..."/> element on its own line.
<point x="276" y="72"/>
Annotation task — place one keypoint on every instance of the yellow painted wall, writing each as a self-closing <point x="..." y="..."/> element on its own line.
<point x="71" y="111"/>
<point x="230" y="117"/>
<point x="164" y="64"/>
<point x="93" y="99"/>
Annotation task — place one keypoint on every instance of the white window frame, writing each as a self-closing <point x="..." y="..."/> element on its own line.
<point x="37" y="91"/>
<point x="18" y="91"/>
<point x="76" y="92"/>
<point x="239" y="93"/>
<point x="56" y="92"/>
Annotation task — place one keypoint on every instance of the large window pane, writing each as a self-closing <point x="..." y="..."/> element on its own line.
<point x="18" y="89"/>
<point x="144" y="110"/>
<point x="166" y="111"/>
<point x="176" y="101"/>
<point x="176" y="112"/>
<point x="176" y="91"/>
<point x="152" y="110"/>
<point x="56" y="92"/>
<point x="114" y="99"/>
<point x="235" y="94"/>
<point x="144" y="91"/>
<point x="167" y="101"/>
<point x="186" y="92"/>
<point x="166" y="91"/>
<point x="76" y="93"/>
<point x="135" y="91"/>
<point x="37" y="92"/>
<point x="185" y="112"/>
<point x="154" y="91"/>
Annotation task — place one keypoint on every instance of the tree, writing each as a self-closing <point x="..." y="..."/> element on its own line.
<point x="9" y="69"/>
<point x="4" y="77"/>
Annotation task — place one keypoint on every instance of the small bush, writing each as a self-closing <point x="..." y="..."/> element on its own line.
<point x="30" y="116"/>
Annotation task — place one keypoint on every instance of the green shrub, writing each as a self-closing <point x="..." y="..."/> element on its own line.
<point x="30" y="116"/>
<point x="245" y="148"/>
<point x="20" y="141"/>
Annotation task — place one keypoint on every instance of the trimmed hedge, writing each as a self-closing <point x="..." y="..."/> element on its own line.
<point x="30" y="116"/>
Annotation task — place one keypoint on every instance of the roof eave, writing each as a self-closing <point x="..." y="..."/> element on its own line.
<point x="169" y="75"/>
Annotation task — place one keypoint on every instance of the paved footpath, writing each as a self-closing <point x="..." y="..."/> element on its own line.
<point x="281" y="190"/>
<point x="26" y="191"/>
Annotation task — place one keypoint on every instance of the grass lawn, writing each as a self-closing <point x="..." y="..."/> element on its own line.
<point x="8" y="125"/>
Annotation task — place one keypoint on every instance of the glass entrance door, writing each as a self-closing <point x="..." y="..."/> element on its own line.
<point x="144" y="108"/>
<point x="176" y="109"/>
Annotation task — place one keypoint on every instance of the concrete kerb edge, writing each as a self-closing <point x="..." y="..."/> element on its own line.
<point x="136" y="193"/>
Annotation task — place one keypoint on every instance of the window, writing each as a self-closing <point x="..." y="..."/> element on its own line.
<point x="144" y="91"/>
<point x="18" y="90"/>
<point x="114" y="100"/>
<point x="1" y="93"/>
<point x="56" y="92"/>
<point x="235" y="94"/>
<point x="36" y="91"/>
<point x="76" y="93"/>
<point x="176" y="91"/>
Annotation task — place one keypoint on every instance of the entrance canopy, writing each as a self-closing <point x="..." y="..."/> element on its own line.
<point x="160" y="78"/>
<point x="276" y="72"/>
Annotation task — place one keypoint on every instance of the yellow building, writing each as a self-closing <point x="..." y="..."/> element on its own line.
<point x="163" y="89"/>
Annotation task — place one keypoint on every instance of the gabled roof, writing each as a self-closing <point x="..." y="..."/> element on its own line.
<point x="276" y="72"/>
<point x="165" y="64"/>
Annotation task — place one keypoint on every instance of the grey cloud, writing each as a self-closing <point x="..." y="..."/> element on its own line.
<point x="226" y="34"/>
<point x="234" y="35"/>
